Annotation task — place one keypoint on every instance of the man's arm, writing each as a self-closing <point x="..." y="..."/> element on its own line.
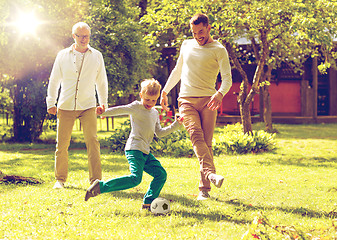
<point x="164" y="101"/>
<point x="225" y="71"/>
<point x="226" y="80"/>
<point x="53" y="86"/>
<point x="173" y="79"/>
<point x="102" y="83"/>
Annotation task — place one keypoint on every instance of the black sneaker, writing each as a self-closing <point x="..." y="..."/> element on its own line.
<point x="93" y="190"/>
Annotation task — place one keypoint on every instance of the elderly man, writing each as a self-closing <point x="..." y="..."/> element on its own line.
<point x="77" y="74"/>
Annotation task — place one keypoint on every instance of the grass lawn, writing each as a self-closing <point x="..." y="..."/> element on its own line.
<point x="295" y="188"/>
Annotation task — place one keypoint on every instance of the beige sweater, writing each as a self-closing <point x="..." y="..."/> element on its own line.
<point x="198" y="67"/>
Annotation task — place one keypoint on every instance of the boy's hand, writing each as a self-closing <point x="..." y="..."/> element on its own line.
<point x="100" y="110"/>
<point x="179" y="119"/>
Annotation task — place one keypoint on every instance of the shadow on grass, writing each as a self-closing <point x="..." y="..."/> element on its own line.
<point x="78" y="161"/>
<point x="302" y="162"/>
<point x="303" y="212"/>
<point x="213" y="216"/>
<point x="218" y="216"/>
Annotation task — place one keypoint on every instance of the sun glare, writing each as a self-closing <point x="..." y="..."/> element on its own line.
<point x="27" y="23"/>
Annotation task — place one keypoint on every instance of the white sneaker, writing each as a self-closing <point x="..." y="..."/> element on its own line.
<point x="217" y="180"/>
<point x="58" y="185"/>
<point x="203" y="195"/>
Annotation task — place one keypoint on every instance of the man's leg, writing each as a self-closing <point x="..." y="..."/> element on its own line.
<point x="208" y="120"/>
<point x="88" y="120"/>
<point x="189" y="110"/>
<point x="65" y="123"/>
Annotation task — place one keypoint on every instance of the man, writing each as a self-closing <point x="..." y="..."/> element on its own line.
<point x="79" y="71"/>
<point x="197" y="67"/>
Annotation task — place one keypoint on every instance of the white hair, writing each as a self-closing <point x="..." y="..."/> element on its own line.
<point x="80" y="25"/>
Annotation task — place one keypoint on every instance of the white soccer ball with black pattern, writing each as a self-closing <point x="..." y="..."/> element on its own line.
<point x="160" y="206"/>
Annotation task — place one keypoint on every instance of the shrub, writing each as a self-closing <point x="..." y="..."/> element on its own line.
<point x="119" y="136"/>
<point x="176" y="144"/>
<point x="229" y="140"/>
<point x="232" y="140"/>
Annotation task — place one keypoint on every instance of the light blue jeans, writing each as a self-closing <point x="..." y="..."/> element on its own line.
<point x="139" y="163"/>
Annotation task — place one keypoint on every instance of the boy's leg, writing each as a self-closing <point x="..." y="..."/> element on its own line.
<point x="154" y="169"/>
<point x="88" y="120"/>
<point x="136" y="161"/>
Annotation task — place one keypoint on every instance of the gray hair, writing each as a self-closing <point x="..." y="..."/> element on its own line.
<point x="80" y="25"/>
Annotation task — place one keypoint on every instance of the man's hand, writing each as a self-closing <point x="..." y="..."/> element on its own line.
<point x="52" y="110"/>
<point x="100" y="110"/>
<point x="215" y="101"/>
<point x="164" y="101"/>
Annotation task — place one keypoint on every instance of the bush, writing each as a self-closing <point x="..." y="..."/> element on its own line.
<point x="119" y="136"/>
<point x="232" y="140"/>
<point x="229" y="140"/>
<point x="176" y="144"/>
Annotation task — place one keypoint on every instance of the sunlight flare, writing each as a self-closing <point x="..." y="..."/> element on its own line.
<point x="27" y="23"/>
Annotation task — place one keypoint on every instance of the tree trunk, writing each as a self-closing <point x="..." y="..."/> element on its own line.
<point x="267" y="110"/>
<point x="246" y="119"/>
<point x="143" y="7"/>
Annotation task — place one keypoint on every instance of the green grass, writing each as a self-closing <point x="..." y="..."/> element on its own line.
<point x="294" y="186"/>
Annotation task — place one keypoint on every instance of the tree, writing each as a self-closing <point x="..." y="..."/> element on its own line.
<point x="27" y="51"/>
<point x="270" y="25"/>
<point x="118" y="35"/>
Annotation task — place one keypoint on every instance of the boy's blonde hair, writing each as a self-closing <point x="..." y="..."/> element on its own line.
<point x="150" y="86"/>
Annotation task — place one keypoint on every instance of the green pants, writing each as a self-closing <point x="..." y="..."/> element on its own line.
<point x="139" y="162"/>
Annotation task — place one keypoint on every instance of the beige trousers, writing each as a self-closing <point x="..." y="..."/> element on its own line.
<point x="199" y="122"/>
<point x="65" y="123"/>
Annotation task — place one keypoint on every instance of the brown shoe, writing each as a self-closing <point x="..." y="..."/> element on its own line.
<point x="93" y="190"/>
<point x="146" y="207"/>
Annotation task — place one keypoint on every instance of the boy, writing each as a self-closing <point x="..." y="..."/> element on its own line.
<point x="144" y="124"/>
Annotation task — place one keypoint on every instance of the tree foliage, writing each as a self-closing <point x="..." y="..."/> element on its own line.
<point x="117" y="34"/>
<point x="278" y="30"/>
<point x="26" y="58"/>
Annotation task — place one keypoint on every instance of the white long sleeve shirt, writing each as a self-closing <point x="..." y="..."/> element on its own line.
<point x="144" y="124"/>
<point x="198" y="67"/>
<point x="77" y="93"/>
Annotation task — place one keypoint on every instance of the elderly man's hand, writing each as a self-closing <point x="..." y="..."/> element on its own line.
<point x="52" y="110"/>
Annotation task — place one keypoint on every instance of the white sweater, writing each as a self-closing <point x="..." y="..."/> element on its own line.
<point x="198" y="67"/>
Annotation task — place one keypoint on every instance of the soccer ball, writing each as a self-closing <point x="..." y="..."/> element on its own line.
<point x="160" y="206"/>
